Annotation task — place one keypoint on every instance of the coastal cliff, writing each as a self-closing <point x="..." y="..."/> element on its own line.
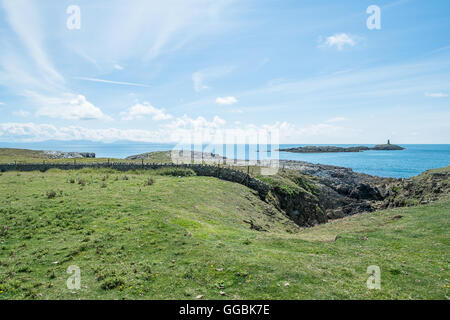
<point x="312" y="194"/>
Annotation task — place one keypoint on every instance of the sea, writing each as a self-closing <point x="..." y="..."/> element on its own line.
<point x="412" y="161"/>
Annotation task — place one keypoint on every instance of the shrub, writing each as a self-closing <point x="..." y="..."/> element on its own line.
<point x="149" y="182"/>
<point x="103" y="185"/>
<point x="112" y="282"/>
<point x="176" y="172"/>
<point x="51" y="274"/>
<point x="51" y="194"/>
<point x="81" y="182"/>
<point x="4" y="231"/>
<point x="125" y="178"/>
<point x="72" y="180"/>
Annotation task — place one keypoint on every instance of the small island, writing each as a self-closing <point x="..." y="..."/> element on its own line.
<point x="330" y="149"/>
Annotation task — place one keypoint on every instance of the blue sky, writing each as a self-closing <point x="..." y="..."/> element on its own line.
<point x="155" y="71"/>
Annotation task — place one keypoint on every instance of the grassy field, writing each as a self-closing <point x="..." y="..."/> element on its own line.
<point x="150" y="235"/>
<point x="8" y="155"/>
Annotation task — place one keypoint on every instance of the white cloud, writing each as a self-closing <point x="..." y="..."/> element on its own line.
<point x="68" y="107"/>
<point x="139" y="111"/>
<point x="226" y="100"/>
<point x="118" y="67"/>
<point x="201" y="77"/>
<point x="339" y="41"/>
<point x="186" y="122"/>
<point x="179" y="130"/>
<point x="437" y="95"/>
<point x="21" y="113"/>
<point x="2" y="103"/>
<point x="41" y="132"/>
<point x="173" y="132"/>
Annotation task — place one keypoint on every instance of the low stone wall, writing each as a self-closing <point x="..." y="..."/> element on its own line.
<point x="201" y="170"/>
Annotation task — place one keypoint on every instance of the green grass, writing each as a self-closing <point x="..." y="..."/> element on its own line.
<point x="9" y="155"/>
<point x="178" y="238"/>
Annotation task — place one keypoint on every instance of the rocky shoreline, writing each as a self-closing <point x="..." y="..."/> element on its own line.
<point x="336" y="192"/>
<point x="68" y="155"/>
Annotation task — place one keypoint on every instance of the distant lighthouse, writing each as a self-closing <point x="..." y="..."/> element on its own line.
<point x="389" y="141"/>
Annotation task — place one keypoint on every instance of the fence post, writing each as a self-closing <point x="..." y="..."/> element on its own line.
<point x="248" y="175"/>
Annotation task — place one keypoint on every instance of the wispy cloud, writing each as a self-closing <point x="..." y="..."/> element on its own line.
<point x="113" y="82"/>
<point x="387" y="81"/>
<point x="24" y="19"/>
<point x="32" y="74"/>
<point x="167" y="26"/>
<point x="21" y="113"/>
<point x="118" y="67"/>
<point x="436" y="95"/>
<point x="337" y="119"/>
<point x="202" y="77"/>
<point x="226" y="100"/>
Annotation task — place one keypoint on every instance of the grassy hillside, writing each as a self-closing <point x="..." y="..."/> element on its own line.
<point x="150" y="235"/>
<point x="10" y="155"/>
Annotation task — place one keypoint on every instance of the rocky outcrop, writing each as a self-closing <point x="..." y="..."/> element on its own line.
<point x="422" y="189"/>
<point x="329" y="149"/>
<point x="324" y="149"/>
<point x="387" y="147"/>
<point x="68" y="155"/>
<point x="313" y="193"/>
<point x="183" y="156"/>
<point x="330" y="192"/>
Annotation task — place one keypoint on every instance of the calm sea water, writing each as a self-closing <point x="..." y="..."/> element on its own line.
<point x="400" y="164"/>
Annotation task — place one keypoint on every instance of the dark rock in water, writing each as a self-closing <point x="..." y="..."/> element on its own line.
<point x="326" y="149"/>
<point x="387" y="147"/>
